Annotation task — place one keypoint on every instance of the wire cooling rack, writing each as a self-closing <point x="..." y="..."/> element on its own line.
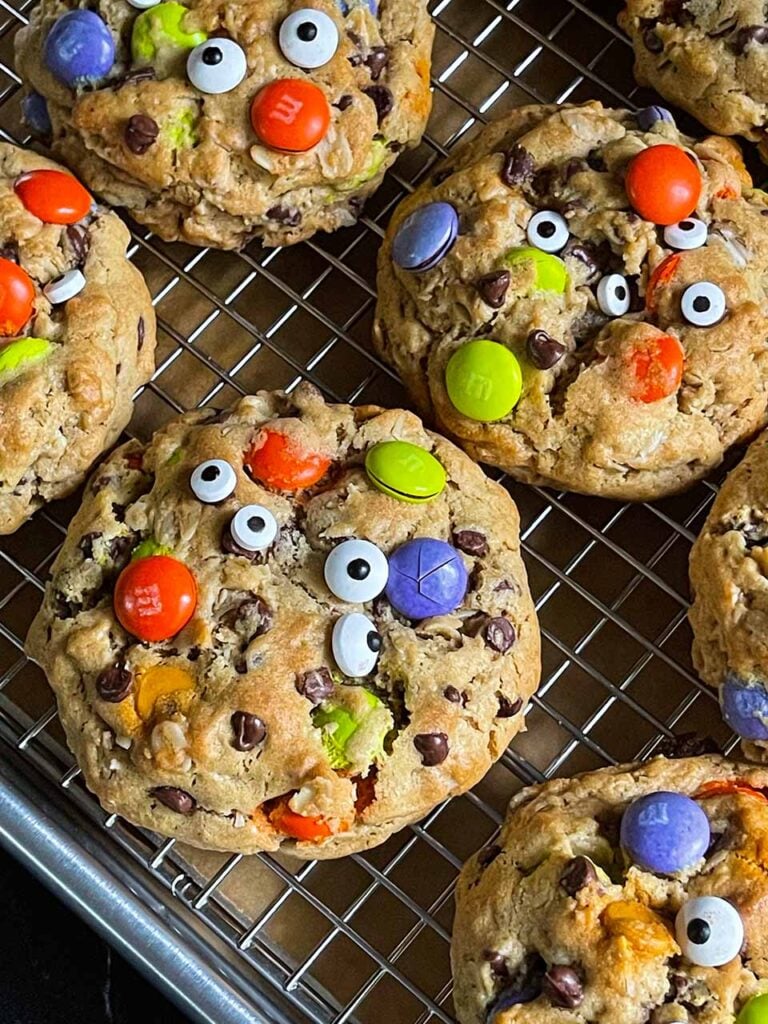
<point x="366" y="939"/>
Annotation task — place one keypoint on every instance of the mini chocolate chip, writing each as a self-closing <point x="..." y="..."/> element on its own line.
<point x="119" y="547"/>
<point x="114" y="684"/>
<point x="135" y="77"/>
<point x="86" y="543"/>
<point x="687" y="744"/>
<point x="452" y="694"/>
<point x="750" y="34"/>
<point x="493" y="288"/>
<point x="508" y="708"/>
<point x="653" y="41"/>
<point x="344" y="102"/>
<point x="248" y="729"/>
<point x="471" y="542"/>
<point x="176" y="799"/>
<point x="488" y="855"/>
<point x="593" y="259"/>
<point x="194" y="653"/>
<point x="563" y="986"/>
<point x="443" y="175"/>
<point x="287" y="215"/>
<point x="316" y="685"/>
<point x="376" y="61"/>
<point x="578" y="873"/>
<point x="382" y="100"/>
<point x="433" y="747"/>
<point x="118" y="511"/>
<point x="518" y="166"/>
<point x="141" y="133"/>
<point x="498" y="964"/>
<point x="140" y="332"/>
<point x="543" y="351"/>
<point x="79" y="242"/>
<point x="595" y="160"/>
<point x="499" y="634"/>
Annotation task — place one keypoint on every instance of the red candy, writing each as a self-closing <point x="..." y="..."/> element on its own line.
<point x="275" y="460"/>
<point x="291" y="114"/>
<point x="155" y="597"/>
<point x="17" y="296"/>
<point x="656" y="364"/>
<point x="53" y="196"/>
<point x="663" y="184"/>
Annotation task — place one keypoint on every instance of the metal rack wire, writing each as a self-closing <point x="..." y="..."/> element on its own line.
<point x="265" y="938"/>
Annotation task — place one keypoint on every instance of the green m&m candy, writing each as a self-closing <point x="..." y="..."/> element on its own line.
<point x="551" y="274"/>
<point x="160" y="28"/>
<point x="149" y="547"/>
<point x="755" y="1011"/>
<point x="353" y="733"/>
<point x="483" y="380"/>
<point x="19" y="355"/>
<point x="405" y="471"/>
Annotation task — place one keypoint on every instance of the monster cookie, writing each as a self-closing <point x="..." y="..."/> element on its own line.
<point x="708" y="58"/>
<point x="631" y="895"/>
<point x="729" y="584"/>
<point x="77" y="333"/>
<point x="216" y="123"/>
<point x="291" y="625"/>
<point x="578" y="296"/>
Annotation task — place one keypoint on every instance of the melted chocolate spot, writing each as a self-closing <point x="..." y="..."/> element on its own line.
<point x="499" y="634"/>
<point x="493" y="288"/>
<point x="248" y="730"/>
<point x="471" y="542"/>
<point x="432" y="746"/>
<point x="114" y="684"/>
<point x="543" y="351"/>
<point x="316" y="685"/>
<point x="176" y="799"/>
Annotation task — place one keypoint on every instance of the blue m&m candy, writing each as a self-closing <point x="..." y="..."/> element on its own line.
<point x="79" y="48"/>
<point x="745" y="708"/>
<point x="665" y="832"/>
<point x="426" y="577"/>
<point x="650" y="116"/>
<point x="35" y="112"/>
<point x="425" y="237"/>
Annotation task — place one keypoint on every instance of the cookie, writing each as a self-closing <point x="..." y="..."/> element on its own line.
<point x="77" y="333"/>
<point x="578" y="298"/>
<point x="216" y="123"/>
<point x="631" y="895"/>
<point x="707" y="58"/>
<point x="729" y="563"/>
<point x="291" y="625"/>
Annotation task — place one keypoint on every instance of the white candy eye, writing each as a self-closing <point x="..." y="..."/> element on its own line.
<point x="64" y="288"/>
<point x="686" y="234"/>
<point x="143" y="5"/>
<point x="213" y="481"/>
<point x="308" y="38"/>
<point x="613" y="296"/>
<point x="703" y="304"/>
<point x="548" y="231"/>
<point x="216" y="66"/>
<point x="356" y="571"/>
<point x="356" y="645"/>
<point x="709" y="931"/>
<point x="253" y="528"/>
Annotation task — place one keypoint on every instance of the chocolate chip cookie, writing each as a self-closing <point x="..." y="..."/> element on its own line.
<point x="578" y="296"/>
<point x="291" y="625"/>
<point x="708" y="58"/>
<point x="631" y="895"/>
<point x="216" y="123"/>
<point x="729" y="566"/>
<point x="77" y="333"/>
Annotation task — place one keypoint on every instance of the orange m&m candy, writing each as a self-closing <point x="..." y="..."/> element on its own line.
<point x="155" y="597"/>
<point x="53" y="196"/>
<point x="277" y="461"/>
<point x="662" y="275"/>
<point x="291" y="114"/>
<point x="298" y="826"/>
<point x="17" y="296"/>
<point x="663" y="184"/>
<point x="656" y="365"/>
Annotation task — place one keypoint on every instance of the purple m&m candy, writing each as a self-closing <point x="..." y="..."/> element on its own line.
<point x="649" y="116"/>
<point x="35" y="112"/>
<point x="425" y="237"/>
<point x="745" y="707"/>
<point x="665" y="832"/>
<point x="426" y="577"/>
<point x="79" y="48"/>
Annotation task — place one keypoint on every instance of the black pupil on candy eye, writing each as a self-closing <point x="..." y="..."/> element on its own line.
<point x="358" y="569"/>
<point x="687" y="225"/>
<point x="699" y="931"/>
<point x="701" y="304"/>
<point x="621" y="292"/>
<point x="256" y="524"/>
<point x="212" y="55"/>
<point x="547" y="229"/>
<point x="210" y="473"/>
<point x="374" y="641"/>
<point x="306" y="31"/>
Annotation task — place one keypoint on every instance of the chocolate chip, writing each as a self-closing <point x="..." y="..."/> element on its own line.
<point x="452" y="694"/>
<point x="433" y="747"/>
<point x="230" y="547"/>
<point x="687" y="744"/>
<point x="757" y="34"/>
<point x="376" y="61"/>
<point x="508" y="708"/>
<point x="471" y="542"/>
<point x="579" y="873"/>
<point x="140" y="133"/>
<point x="499" y="634"/>
<point x="518" y="166"/>
<point x="248" y="729"/>
<point x="119" y="548"/>
<point x="493" y="288"/>
<point x="86" y="543"/>
<point x="64" y="607"/>
<point x="118" y="511"/>
<point x="79" y="242"/>
<point x="344" y="102"/>
<point x="251" y="618"/>
<point x="193" y="653"/>
<point x="563" y="986"/>
<point x="525" y="986"/>
<point x="675" y="10"/>
<point x="135" y="77"/>
<point x="488" y="855"/>
<point x="595" y="160"/>
<point x="595" y="260"/>
<point x="382" y="100"/>
<point x="543" y="351"/>
<point x="176" y="799"/>
<point x="287" y="215"/>
<point x="114" y="684"/>
<point x="140" y="332"/>
<point x="498" y="964"/>
<point x="653" y="41"/>
<point x="316" y="685"/>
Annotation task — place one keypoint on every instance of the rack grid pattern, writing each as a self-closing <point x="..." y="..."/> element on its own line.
<point x="367" y="939"/>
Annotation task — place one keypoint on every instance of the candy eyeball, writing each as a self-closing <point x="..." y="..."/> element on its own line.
<point x="686" y="234"/>
<point x="253" y="528"/>
<point x="703" y="304"/>
<point x="213" y="480"/>
<point x="217" y="66"/>
<point x="613" y="295"/>
<point x="709" y="931"/>
<point x="143" y="5"/>
<point x="548" y="231"/>
<point x="308" y="38"/>
<point x="356" y="645"/>
<point x="65" y="287"/>
<point x="356" y="571"/>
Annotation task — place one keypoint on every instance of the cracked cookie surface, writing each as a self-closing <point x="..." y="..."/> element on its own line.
<point x="245" y="730"/>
